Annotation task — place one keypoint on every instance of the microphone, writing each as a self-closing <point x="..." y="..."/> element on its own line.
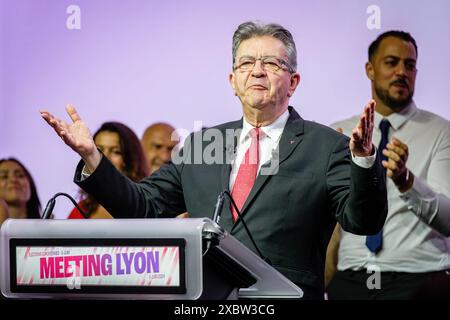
<point x="218" y="213"/>
<point x="51" y="204"/>
<point x="212" y="238"/>
<point x="218" y="208"/>
<point x="49" y="208"/>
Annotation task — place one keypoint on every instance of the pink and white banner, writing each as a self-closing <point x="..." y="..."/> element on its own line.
<point x="99" y="266"/>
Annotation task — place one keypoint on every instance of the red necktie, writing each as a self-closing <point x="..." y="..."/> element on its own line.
<point x="247" y="173"/>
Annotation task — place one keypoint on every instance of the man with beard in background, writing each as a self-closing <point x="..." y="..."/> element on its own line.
<point x="409" y="258"/>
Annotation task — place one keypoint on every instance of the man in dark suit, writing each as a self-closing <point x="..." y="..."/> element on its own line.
<point x="292" y="179"/>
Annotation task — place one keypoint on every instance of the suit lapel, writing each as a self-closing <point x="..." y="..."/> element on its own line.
<point x="291" y="137"/>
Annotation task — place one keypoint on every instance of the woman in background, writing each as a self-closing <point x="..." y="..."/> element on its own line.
<point x="122" y="147"/>
<point x="18" y="191"/>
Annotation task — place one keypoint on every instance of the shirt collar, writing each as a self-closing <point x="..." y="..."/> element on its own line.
<point x="397" y="119"/>
<point x="273" y="131"/>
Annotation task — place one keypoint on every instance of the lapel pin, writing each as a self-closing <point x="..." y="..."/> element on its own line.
<point x="292" y="141"/>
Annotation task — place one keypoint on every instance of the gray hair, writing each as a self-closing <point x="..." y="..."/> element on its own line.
<point x="252" y="29"/>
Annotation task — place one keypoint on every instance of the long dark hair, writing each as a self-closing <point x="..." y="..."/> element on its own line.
<point x="33" y="204"/>
<point x="135" y="164"/>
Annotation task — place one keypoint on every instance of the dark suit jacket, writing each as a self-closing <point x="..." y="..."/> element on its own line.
<point x="291" y="214"/>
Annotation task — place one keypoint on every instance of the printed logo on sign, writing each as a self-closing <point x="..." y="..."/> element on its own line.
<point x="137" y="266"/>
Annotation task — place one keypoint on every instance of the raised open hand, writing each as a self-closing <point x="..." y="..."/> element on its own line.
<point x="361" y="138"/>
<point x="76" y="135"/>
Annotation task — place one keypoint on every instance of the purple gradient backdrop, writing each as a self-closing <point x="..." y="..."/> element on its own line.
<point x="144" y="61"/>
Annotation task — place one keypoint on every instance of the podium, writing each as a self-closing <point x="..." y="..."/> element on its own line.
<point x="144" y="259"/>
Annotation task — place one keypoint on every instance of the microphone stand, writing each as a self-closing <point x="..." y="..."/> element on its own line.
<point x="218" y="213"/>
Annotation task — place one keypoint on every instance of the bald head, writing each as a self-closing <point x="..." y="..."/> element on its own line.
<point x="157" y="144"/>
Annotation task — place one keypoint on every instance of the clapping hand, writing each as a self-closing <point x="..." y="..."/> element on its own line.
<point x="397" y="154"/>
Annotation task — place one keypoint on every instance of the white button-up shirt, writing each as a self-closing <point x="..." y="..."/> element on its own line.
<point x="410" y="244"/>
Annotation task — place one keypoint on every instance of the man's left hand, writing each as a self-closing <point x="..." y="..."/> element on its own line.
<point x="397" y="154"/>
<point x="361" y="138"/>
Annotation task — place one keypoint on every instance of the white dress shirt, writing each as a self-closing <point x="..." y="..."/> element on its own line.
<point x="268" y="143"/>
<point x="411" y="242"/>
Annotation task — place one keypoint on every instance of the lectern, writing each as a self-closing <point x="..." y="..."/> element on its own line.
<point x="157" y="259"/>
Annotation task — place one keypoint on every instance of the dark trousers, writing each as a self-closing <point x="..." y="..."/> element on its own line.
<point x="353" y="285"/>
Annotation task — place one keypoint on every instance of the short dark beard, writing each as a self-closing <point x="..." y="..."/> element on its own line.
<point x="390" y="102"/>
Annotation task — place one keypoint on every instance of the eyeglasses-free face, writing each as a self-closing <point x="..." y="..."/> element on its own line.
<point x="14" y="184"/>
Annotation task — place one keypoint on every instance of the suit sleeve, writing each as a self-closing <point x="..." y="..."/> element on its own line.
<point x="358" y="196"/>
<point x="159" y="195"/>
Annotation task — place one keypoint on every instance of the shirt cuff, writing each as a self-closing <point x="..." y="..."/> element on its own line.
<point x="421" y="200"/>
<point x="85" y="173"/>
<point x="365" y="162"/>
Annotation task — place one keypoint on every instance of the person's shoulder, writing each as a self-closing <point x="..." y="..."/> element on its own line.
<point x="346" y="124"/>
<point x="428" y="117"/>
<point x="435" y="126"/>
<point x="320" y="130"/>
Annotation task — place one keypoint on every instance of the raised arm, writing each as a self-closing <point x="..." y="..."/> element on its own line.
<point x="76" y="135"/>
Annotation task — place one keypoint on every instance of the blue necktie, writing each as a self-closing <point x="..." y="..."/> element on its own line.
<point x="374" y="242"/>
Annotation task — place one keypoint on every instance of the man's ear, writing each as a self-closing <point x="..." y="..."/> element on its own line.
<point x="370" y="71"/>
<point x="231" y="78"/>
<point x="295" y="81"/>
